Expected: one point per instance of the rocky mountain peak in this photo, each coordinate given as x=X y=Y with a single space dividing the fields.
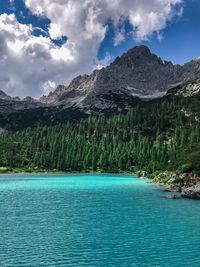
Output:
x=138 y=56
x=141 y=51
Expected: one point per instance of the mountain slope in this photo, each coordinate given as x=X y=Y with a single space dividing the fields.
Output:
x=163 y=134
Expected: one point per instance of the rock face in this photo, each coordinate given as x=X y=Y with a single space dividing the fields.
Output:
x=191 y=192
x=75 y=88
x=187 y=90
x=173 y=188
x=136 y=74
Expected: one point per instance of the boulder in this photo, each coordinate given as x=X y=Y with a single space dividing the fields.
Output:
x=191 y=192
x=173 y=188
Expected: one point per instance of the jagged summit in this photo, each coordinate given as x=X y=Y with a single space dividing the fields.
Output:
x=137 y=52
x=139 y=55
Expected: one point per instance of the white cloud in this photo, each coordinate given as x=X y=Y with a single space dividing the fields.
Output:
x=30 y=64
x=103 y=62
x=48 y=87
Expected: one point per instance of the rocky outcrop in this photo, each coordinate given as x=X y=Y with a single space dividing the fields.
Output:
x=187 y=90
x=2 y=131
x=173 y=188
x=187 y=184
x=191 y=192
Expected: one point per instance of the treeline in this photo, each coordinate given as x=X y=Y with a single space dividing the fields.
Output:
x=160 y=135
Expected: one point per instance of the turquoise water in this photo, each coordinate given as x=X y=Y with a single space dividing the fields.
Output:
x=88 y=220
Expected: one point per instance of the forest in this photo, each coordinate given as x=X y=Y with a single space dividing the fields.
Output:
x=159 y=135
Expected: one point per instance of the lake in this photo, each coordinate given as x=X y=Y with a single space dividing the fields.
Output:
x=94 y=220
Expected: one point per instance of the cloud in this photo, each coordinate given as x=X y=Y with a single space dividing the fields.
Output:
x=119 y=37
x=103 y=62
x=32 y=63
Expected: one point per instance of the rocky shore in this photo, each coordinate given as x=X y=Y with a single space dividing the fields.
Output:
x=187 y=184
x=191 y=192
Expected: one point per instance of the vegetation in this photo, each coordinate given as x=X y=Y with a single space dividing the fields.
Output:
x=159 y=135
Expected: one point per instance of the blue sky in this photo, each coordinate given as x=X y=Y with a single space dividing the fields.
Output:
x=60 y=45
x=181 y=38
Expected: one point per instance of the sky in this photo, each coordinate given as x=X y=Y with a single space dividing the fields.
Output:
x=49 y=42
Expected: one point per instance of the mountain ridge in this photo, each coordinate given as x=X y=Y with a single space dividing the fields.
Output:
x=132 y=74
x=137 y=77
x=137 y=73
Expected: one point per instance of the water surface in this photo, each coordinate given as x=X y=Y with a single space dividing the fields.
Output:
x=94 y=220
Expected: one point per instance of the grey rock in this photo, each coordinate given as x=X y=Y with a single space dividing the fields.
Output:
x=2 y=131
x=191 y=192
x=173 y=188
x=187 y=90
x=171 y=196
x=68 y=94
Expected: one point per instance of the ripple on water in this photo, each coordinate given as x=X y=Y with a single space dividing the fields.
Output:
x=81 y=220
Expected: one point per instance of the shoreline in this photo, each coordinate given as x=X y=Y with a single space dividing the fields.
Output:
x=188 y=188
x=68 y=172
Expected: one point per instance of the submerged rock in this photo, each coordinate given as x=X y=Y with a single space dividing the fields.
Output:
x=171 y=196
x=191 y=192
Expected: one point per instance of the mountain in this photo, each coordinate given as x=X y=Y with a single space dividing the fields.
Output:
x=11 y=105
x=4 y=96
x=136 y=74
x=135 y=78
